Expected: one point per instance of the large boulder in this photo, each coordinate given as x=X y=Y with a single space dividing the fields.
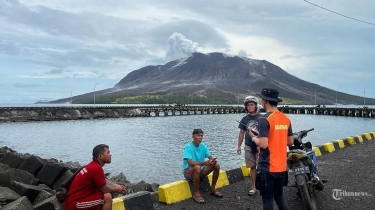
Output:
x=4 y=167
x=43 y=195
x=119 y=179
x=7 y=195
x=32 y=165
x=4 y=179
x=50 y=172
x=20 y=204
x=50 y=203
x=14 y=160
x=30 y=191
x=22 y=176
x=64 y=177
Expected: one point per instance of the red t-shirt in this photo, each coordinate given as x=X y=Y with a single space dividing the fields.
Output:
x=91 y=178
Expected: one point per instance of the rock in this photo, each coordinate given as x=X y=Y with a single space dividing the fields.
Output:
x=50 y=172
x=154 y=187
x=142 y=186
x=45 y=187
x=20 y=204
x=11 y=159
x=4 y=179
x=8 y=195
x=64 y=177
x=30 y=191
x=32 y=165
x=50 y=203
x=22 y=176
x=43 y=195
x=4 y=167
x=119 y=179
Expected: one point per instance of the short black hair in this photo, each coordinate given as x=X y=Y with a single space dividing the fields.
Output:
x=273 y=103
x=98 y=149
x=197 y=131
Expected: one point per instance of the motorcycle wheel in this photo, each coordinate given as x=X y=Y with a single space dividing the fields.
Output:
x=306 y=194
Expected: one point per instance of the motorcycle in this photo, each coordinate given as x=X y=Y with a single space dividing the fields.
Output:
x=302 y=164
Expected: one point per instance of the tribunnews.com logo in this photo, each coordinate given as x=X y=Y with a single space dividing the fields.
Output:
x=337 y=194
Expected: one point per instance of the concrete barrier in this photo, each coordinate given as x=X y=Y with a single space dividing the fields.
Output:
x=136 y=201
x=180 y=190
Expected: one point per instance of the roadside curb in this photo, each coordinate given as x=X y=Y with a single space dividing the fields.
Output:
x=342 y=143
x=139 y=200
x=177 y=191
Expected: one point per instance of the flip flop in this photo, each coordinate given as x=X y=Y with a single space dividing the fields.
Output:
x=252 y=192
x=216 y=194
x=198 y=199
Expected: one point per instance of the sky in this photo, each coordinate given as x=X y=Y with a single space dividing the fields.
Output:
x=62 y=48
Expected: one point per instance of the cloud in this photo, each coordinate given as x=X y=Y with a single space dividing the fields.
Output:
x=243 y=53
x=25 y=85
x=180 y=46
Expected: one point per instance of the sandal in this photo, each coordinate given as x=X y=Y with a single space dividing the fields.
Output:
x=198 y=199
x=216 y=194
x=252 y=192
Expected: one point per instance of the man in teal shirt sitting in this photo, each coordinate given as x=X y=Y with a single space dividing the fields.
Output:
x=196 y=167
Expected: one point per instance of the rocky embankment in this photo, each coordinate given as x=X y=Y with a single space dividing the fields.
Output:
x=29 y=182
x=23 y=114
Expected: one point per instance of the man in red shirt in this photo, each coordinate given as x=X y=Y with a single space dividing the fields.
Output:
x=89 y=190
x=275 y=133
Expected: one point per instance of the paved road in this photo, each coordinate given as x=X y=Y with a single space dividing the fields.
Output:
x=351 y=169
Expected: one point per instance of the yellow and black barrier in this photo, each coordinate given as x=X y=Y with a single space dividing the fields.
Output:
x=180 y=190
x=138 y=200
x=342 y=143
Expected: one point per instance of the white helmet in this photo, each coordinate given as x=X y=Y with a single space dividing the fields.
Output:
x=251 y=99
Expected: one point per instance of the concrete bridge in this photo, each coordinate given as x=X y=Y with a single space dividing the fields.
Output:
x=20 y=114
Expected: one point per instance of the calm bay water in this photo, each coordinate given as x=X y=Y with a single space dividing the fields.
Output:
x=151 y=149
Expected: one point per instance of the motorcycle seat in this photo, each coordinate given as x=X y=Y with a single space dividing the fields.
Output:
x=298 y=151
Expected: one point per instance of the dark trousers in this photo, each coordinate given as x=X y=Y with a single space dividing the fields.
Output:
x=273 y=190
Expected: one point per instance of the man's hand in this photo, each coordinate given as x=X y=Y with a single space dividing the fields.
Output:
x=120 y=188
x=239 y=150
x=251 y=134
x=210 y=162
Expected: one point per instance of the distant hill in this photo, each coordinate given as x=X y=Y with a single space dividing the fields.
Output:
x=213 y=78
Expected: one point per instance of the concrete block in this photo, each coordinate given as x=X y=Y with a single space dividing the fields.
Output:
x=4 y=179
x=245 y=170
x=11 y=159
x=50 y=203
x=174 y=192
x=32 y=165
x=118 y=204
x=43 y=195
x=350 y=140
x=64 y=177
x=21 y=203
x=22 y=176
x=329 y=147
x=8 y=195
x=317 y=151
x=138 y=201
x=235 y=175
x=30 y=191
x=50 y=172
x=221 y=181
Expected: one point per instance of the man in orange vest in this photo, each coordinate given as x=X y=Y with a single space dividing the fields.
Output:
x=275 y=134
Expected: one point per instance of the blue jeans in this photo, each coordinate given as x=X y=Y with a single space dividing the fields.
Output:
x=272 y=189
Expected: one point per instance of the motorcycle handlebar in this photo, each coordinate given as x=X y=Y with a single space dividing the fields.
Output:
x=303 y=133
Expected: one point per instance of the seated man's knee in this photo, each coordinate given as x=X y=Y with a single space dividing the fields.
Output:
x=107 y=197
x=197 y=168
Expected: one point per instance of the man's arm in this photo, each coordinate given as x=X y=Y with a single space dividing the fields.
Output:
x=262 y=142
x=290 y=140
x=240 y=140
x=112 y=189
x=193 y=163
